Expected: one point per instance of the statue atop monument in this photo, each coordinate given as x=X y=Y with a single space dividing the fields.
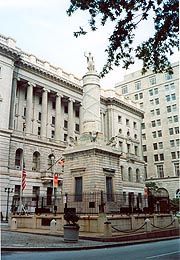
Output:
x=90 y=61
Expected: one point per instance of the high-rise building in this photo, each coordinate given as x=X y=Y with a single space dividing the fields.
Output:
x=158 y=96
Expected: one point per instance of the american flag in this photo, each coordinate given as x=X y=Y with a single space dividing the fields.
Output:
x=23 y=177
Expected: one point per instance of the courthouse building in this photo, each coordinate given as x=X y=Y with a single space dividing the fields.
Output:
x=41 y=113
x=158 y=96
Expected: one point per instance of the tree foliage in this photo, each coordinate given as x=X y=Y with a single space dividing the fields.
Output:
x=126 y=15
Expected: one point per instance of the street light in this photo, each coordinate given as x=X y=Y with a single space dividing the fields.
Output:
x=53 y=172
x=8 y=190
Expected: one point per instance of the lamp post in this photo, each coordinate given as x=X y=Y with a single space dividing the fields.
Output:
x=8 y=190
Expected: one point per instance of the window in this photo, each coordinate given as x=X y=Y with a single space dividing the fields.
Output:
x=153 y=123
x=155 y=91
x=36 y=161
x=168 y=98
x=65 y=137
x=124 y=197
x=65 y=124
x=152 y=112
x=157 y=111
x=137 y=175
x=158 y=121
x=155 y=146
x=177 y=142
x=145 y=158
x=39 y=116
x=168 y=109
x=156 y=101
x=151 y=92
x=17 y=190
x=135 y=125
x=170 y=119
x=172 y=86
x=154 y=134
x=25 y=94
x=124 y=90
x=161 y=157
x=65 y=109
x=120 y=145
x=130 y=174
x=137 y=85
x=143 y=125
x=171 y=131
x=174 y=107
x=39 y=130
x=141 y=105
x=144 y=148
x=176 y=130
x=175 y=118
x=173 y=155
x=176 y=169
x=109 y=188
x=144 y=136
x=160 y=145
x=77 y=127
x=24 y=113
x=140 y=95
x=136 y=97
x=36 y=191
x=78 y=189
x=173 y=96
x=128 y=148
x=156 y=157
x=151 y=101
x=136 y=150
x=119 y=119
x=127 y=122
x=159 y=133
x=53 y=104
x=53 y=120
x=152 y=80
x=122 y=172
x=166 y=87
x=52 y=134
x=77 y=112
x=18 y=157
x=168 y=76
x=160 y=171
x=172 y=143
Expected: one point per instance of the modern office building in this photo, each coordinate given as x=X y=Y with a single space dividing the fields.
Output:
x=41 y=113
x=158 y=96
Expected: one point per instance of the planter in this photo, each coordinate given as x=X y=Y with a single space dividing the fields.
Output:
x=71 y=233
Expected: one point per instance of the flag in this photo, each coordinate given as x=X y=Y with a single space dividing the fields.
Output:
x=23 y=177
x=61 y=162
x=56 y=180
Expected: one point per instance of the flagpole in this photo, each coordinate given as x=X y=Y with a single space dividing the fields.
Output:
x=22 y=169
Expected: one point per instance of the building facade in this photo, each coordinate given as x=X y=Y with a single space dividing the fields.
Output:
x=41 y=113
x=158 y=96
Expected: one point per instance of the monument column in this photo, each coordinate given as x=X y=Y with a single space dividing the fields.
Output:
x=29 y=105
x=44 y=113
x=70 y=118
x=58 y=129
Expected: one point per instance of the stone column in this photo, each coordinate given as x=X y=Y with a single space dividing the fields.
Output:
x=58 y=128
x=70 y=118
x=80 y=118
x=13 y=99
x=44 y=113
x=29 y=106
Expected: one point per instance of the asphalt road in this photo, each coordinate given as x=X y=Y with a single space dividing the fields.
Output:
x=163 y=250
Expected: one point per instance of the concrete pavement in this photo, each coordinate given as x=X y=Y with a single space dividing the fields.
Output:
x=34 y=239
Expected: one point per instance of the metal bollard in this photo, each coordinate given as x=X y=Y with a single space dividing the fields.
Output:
x=53 y=226
x=107 y=229
x=148 y=225
x=13 y=224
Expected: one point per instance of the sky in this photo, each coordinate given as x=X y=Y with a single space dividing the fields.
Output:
x=42 y=28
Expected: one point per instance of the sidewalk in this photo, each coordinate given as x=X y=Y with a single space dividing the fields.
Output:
x=34 y=239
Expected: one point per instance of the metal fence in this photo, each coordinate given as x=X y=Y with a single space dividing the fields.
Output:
x=86 y=203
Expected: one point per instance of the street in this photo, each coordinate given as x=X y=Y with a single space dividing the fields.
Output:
x=163 y=250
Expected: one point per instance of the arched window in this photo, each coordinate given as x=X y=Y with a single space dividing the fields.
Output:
x=178 y=193
x=51 y=160
x=36 y=161
x=137 y=175
x=18 y=157
x=122 y=173
x=130 y=174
